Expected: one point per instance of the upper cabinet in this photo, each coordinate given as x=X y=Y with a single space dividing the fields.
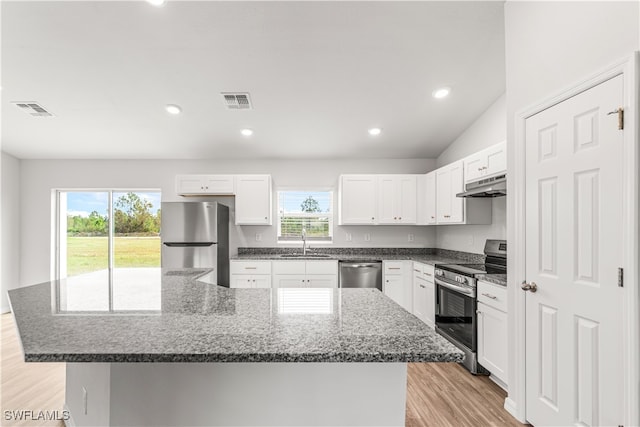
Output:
x=449 y=182
x=191 y=185
x=358 y=199
x=397 y=199
x=253 y=200
x=486 y=163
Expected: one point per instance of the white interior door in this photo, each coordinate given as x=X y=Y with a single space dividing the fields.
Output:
x=574 y=348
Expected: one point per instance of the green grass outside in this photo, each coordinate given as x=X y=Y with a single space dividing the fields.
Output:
x=87 y=254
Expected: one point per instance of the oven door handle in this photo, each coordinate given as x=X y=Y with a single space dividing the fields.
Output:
x=466 y=291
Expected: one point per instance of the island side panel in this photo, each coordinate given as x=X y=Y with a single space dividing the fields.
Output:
x=88 y=385
x=267 y=394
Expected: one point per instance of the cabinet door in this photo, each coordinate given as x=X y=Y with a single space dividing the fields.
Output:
x=322 y=281
x=253 y=200
x=262 y=281
x=289 y=281
x=406 y=198
x=443 y=198
x=419 y=298
x=492 y=340
x=496 y=159
x=431 y=198
x=241 y=281
x=218 y=184
x=189 y=184
x=393 y=287
x=475 y=166
x=457 y=186
x=387 y=199
x=358 y=199
x=430 y=304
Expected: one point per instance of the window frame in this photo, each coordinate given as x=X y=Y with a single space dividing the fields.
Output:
x=331 y=214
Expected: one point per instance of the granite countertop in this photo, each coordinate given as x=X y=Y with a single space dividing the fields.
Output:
x=497 y=279
x=198 y=321
x=425 y=255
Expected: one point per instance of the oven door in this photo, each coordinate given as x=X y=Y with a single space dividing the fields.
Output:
x=456 y=313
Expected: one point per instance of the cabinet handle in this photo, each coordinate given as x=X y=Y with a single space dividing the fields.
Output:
x=387 y=281
x=399 y=217
x=372 y=218
x=490 y=296
x=428 y=274
x=265 y=217
x=250 y=268
x=308 y=280
x=395 y=217
x=416 y=270
x=393 y=268
x=479 y=169
x=254 y=280
x=422 y=286
x=478 y=312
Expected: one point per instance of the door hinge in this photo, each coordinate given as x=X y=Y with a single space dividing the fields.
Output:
x=620 y=277
x=620 y=113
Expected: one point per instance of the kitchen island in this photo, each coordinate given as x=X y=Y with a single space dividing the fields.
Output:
x=216 y=356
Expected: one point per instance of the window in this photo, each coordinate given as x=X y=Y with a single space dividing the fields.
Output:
x=308 y=210
x=108 y=250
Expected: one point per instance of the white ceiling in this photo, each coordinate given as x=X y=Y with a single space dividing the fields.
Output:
x=319 y=74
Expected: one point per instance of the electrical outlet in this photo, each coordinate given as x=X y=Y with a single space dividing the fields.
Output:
x=367 y=237
x=347 y=237
x=258 y=237
x=85 y=398
x=410 y=237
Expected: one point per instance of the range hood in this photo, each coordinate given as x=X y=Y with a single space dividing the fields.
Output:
x=490 y=187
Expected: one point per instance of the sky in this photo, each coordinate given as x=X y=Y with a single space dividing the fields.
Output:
x=83 y=203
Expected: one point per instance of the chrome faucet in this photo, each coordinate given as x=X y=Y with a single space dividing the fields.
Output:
x=304 y=241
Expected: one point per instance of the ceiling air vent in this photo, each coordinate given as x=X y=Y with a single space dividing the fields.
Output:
x=33 y=109
x=236 y=101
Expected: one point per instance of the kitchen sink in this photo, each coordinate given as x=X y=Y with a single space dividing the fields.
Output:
x=305 y=256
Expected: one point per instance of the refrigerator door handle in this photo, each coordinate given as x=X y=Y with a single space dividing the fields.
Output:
x=188 y=244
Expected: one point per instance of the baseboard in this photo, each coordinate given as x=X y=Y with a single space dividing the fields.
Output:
x=499 y=382
x=512 y=408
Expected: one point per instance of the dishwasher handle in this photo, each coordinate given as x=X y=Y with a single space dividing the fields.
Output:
x=349 y=265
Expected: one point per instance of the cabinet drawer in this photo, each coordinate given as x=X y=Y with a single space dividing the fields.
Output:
x=322 y=267
x=493 y=295
x=428 y=272
x=289 y=267
x=392 y=267
x=250 y=267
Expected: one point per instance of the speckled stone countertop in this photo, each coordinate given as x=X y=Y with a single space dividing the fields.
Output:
x=424 y=255
x=201 y=322
x=498 y=279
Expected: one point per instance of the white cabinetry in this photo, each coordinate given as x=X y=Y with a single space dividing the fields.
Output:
x=397 y=284
x=486 y=163
x=253 y=200
x=424 y=293
x=397 y=199
x=307 y=274
x=430 y=199
x=357 y=199
x=250 y=274
x=457 y=210
x=492 y=329
x=191 y=185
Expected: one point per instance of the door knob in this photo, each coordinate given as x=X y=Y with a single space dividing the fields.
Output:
x=529 y=287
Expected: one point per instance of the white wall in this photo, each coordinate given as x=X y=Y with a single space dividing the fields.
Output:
x=488 y=129
x=10 y=227
x=549 y=47
x=40 y=177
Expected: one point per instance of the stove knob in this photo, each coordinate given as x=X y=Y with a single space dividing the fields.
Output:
x=439 y=272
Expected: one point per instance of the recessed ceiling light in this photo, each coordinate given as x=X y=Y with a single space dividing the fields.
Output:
x=246 y=132
x=443 y=92
x=374 y=131
x=173 y=109
x=157 y=3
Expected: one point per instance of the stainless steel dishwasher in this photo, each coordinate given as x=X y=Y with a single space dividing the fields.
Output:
x=361 y=274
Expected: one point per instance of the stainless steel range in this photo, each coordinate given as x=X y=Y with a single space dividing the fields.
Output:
x=456 y=302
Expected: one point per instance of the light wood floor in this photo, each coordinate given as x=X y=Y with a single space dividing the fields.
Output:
x=439 y=394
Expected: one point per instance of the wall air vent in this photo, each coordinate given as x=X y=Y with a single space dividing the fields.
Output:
x=236 y=101
x=33 y=109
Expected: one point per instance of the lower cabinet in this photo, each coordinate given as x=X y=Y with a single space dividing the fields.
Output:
x=396 y=283
x=250 y=274
x=492 y=329
x=424 y=303
x=305 y=274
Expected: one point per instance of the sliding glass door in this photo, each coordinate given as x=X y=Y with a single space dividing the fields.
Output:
x=108 y=250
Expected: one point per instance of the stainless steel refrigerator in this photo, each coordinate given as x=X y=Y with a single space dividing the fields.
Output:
x=196 y=235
